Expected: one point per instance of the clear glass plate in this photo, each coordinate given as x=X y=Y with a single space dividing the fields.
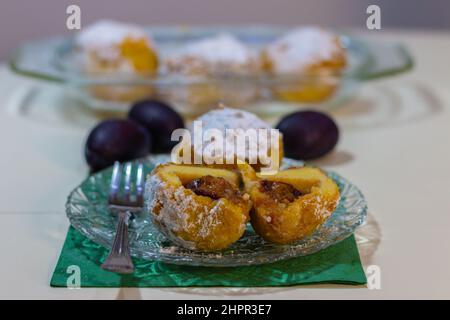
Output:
x=53 y=59
x=87 y=211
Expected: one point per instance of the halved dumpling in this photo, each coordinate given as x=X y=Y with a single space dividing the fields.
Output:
x=291 y=204
x=198 y=208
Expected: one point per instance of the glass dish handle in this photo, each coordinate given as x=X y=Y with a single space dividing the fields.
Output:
x=387 y=59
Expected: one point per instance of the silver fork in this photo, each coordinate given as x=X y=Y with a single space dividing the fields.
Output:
x=125 y=206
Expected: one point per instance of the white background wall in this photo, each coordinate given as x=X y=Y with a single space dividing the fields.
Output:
x=21 y=20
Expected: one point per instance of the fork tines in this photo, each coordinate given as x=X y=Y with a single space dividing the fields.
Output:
x=127 y=198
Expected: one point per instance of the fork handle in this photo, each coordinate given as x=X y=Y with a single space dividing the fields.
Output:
x=119 y=259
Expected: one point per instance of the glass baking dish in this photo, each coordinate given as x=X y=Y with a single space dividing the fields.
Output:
x=53 y=59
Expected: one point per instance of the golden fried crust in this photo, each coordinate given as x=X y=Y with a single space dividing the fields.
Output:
x=193 y=221
x=282 y=222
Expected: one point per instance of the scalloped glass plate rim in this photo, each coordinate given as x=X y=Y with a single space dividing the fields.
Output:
x=233 y=257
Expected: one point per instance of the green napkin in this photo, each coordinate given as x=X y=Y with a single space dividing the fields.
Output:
x=336 y=264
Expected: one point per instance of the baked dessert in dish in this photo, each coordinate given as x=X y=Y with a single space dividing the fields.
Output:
x=313 y=54
x=291 y=204
x=204 y=60
x=110 y=48
x=196 y=207
x=304 y=65
x=223 y=119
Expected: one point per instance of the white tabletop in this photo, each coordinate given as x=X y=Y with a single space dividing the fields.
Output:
x=394 y=146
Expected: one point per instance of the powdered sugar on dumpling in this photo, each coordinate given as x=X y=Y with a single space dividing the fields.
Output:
x=229 y=118
x=223 y=53
x=105 y=36
x=223 y=48
x=301 y=48
x=108 y=33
